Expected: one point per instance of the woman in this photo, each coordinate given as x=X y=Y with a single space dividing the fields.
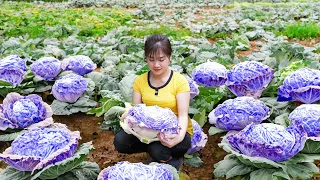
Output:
x=165 y=88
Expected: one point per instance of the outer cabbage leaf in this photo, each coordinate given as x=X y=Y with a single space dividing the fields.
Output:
x=249 y=78
x=39 y=148
x=302 y=85
x=83 y=104
x=22 y=111
x=79 y=64
x=13 y=69
x=210 y=74
x=145 y=122
x=47 y=68
x=136 y=171
x=236 y=114
x=125 y=86
x=198 y=139
x=269 y=140
x=308 y=116
x=69 y=88
x=194 y=91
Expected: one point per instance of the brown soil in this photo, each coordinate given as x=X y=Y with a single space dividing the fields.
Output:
x=308 y=43
x=106 y=155
x=253 y=47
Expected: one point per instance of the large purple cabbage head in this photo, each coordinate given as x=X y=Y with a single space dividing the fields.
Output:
x=40 y=147
x=79 y=64
x=146 y=122
x=236 y=114
x=136 y=171
x=269 y=140
x=307 y=116
x=69 y=88
x=47 y=68
x=198 y=139
x=210 y=74
x=249 y=78
x=23 y=111
x=302 y=85
x=13 y=69
x=194 y=91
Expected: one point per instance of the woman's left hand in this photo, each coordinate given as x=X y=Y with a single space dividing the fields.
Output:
x=169 y=140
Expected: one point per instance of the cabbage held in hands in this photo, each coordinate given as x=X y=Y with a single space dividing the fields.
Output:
x=69 y=88
x=308 y=116
x=198 y=139
x=145 y=122
x=302 y=85
x=236 y=114
x=137 y=171
x=79 y=64
x=194 y=91
x=40 y=147
x=210 y=74
x=13 y=69
x=22 y=111
x=47 y=68
x=269 y=140
x=249 y=78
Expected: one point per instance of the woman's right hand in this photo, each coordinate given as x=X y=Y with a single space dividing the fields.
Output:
x=125 y=114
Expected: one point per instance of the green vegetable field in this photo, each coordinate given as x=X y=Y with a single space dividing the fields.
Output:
x=67 y=68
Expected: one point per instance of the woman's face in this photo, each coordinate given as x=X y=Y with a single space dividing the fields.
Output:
x=158 y=62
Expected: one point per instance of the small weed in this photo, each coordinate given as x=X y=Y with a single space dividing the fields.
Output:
x=302 y=31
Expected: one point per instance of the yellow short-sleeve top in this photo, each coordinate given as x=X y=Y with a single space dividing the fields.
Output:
x=164 y=96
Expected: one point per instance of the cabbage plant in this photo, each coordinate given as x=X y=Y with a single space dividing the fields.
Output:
x=19 y=112
x=47 y=68
x=13 y=69
x=194 y=91
x=249 y=78
x=269 y=140
x=210 y=74
x=302 y=85
x=79 y=64
x=145 y=122
x=236 y=114
x=308 y=116
x=48 y=153
x=198 y=139
x=138 y=171
x=69 y=88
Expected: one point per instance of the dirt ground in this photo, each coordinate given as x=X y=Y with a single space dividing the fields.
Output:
x=106 y=155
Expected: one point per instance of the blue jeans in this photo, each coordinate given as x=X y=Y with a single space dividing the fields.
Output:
x=129 y=144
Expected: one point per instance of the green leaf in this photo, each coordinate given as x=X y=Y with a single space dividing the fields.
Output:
x=86 y=171
x=12 y=174
x=222 y=167
x=106 y=105
x=5 y=83
x=59 y=168
x=311 y=147
x=68 y=176
x=264 y=174
x=201 y=118
x=112 y=118
x=240 y=169
x=194 y=161
x=303 y=171
x=213 y=130
x=12 y=136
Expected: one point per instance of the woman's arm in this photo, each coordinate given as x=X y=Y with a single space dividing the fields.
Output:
x=136 y=98
x=183 y=100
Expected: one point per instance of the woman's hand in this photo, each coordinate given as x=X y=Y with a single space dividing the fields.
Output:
x=170 y=140
x=124 y=115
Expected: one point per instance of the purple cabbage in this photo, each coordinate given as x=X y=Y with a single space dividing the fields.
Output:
x=194 y=91
x=210 y=74
x=22 y=111
x=198 y=139
x=79 y=64
x=236 y=114
x=302 y=85
x=136 y=171
x=69 y=88
x=13 y=69
x=249 y=78
x=41 y=147
x=269 y=140
x=47 y=68
x=308 y=116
